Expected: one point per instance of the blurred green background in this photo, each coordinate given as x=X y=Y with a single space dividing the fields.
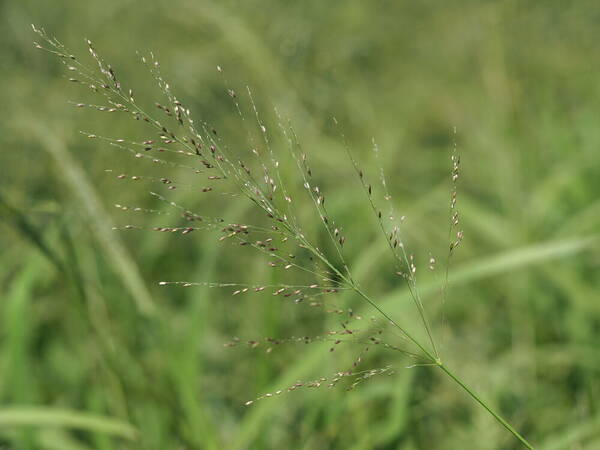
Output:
x=94 y=354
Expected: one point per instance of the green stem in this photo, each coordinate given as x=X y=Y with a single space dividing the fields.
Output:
x=475 y=397
x=434 y=359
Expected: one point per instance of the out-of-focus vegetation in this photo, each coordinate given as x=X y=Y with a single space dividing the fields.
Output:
x=94 y=354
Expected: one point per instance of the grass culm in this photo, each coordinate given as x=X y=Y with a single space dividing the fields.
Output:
x=313 y=272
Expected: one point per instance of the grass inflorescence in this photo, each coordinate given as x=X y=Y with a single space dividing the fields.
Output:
x=317 y=272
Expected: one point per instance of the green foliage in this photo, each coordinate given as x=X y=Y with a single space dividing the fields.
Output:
x=94 y=354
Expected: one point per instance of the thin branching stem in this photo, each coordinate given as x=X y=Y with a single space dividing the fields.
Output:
x=286 y=224
x=487 y=407
x=411 y=281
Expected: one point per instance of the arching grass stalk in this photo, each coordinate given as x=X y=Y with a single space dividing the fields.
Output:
x=213 y=162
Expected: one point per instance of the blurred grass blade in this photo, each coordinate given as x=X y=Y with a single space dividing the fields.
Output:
x=12 y=417
x=60 y=439
x=515 y=259
x=16 y=381
x=575 y=436
x=76 y=179
x=9 y=212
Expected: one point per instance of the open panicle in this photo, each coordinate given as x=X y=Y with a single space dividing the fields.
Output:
x=306 y=271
